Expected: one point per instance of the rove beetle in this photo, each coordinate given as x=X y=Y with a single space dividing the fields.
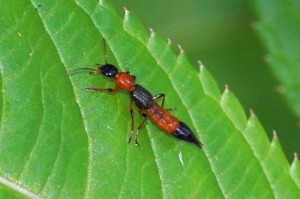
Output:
x=144 y=100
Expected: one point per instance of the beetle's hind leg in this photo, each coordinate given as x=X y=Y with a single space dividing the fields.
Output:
x=163 y=96
x=132 y=120
x=145 y=118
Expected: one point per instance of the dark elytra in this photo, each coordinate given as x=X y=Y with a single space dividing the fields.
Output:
x=142 y=98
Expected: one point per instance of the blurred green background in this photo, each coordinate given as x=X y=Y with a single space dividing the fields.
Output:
x=222 y=35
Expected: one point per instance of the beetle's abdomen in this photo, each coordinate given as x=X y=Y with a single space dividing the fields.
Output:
x=183 y=132
x=162 y=118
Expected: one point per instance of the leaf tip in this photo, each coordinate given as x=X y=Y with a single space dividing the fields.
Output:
x=180 y=49
x=152 y=33
x=226 y=88
x=296 y=156
x=251 y=112
x=275 y=137
x=126 y=10
x=100 y=2
x=169 y=42
x=201 y=65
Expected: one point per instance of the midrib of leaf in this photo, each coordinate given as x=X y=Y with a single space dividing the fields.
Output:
x=16 y=190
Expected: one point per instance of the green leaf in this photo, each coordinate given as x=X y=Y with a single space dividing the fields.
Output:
x=295 y=170
x=279 y=28
x=59 y=141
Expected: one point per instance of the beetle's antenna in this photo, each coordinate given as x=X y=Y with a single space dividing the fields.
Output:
x=78 y=70
x=105 y=52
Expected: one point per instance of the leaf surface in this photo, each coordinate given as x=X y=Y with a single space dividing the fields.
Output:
x=59 y=141
x=279 y=27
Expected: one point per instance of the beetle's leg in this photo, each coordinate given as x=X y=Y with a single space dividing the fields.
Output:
x=111 y=90
x=132 y=120
x=160 y=95
x=139 y=127
x=163 y=96
x=170 y=109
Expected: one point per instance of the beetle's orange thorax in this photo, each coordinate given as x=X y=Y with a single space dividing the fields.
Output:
x=124 y=81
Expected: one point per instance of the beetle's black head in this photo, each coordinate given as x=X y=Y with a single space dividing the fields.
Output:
x=108 y=70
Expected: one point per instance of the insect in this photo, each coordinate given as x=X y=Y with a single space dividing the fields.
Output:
x=146 y=103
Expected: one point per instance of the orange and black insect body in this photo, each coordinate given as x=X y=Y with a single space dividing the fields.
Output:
x=159 y=116
x=145 y=102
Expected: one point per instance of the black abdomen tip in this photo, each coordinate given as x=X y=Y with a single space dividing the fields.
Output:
x=183 y=132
